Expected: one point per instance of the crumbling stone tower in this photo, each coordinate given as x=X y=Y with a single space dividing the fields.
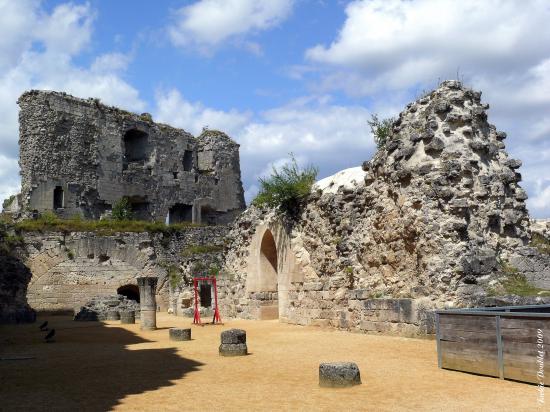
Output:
x=79 y=157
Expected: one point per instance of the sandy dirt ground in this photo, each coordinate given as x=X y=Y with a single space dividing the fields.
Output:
x=96 y=366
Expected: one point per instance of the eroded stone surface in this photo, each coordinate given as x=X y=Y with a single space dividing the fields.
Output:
x=233 y=349
x=233 y=343
x=179 y=334
x=439 y=212
x=14 y=278
x=105 y=308
x=233 y=336
x=339 y=374
x=79 y=157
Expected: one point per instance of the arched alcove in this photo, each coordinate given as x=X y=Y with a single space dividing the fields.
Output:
x=130 y=291
x=271 y=268
x=268 y=263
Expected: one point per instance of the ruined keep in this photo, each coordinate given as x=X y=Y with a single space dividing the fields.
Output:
x=79 y=157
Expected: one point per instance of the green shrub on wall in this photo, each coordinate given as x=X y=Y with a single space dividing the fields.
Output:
x=122 y=210
x=381 y=129
x=286 y=189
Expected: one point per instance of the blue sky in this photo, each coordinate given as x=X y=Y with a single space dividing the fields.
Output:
x=282 y=76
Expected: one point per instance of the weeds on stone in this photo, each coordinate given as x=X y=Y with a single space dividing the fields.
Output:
x=200 y=249
x=48 y=221
x=122 y=210
x=541 y=243
x=286 y=189
x=381 y=129
x=514 y=283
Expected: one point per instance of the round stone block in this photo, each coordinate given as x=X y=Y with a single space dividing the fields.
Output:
x=128 y=317
x=233 y=336
x=113 y=315
x=233 y=349
x=339 y=374
x=180 y=334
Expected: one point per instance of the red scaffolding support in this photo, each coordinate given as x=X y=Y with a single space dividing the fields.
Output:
x=197 y=316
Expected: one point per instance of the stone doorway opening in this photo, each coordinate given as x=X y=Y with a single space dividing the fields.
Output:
x=268 y=271
x=205 y=295
x=58 y=198
x=135 y=146
x=268 y=262
x=130 y=291
x=180 y=213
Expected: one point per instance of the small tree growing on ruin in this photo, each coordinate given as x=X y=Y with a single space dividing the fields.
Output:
x=286 y=189
x=122 y=210
x=381 y=129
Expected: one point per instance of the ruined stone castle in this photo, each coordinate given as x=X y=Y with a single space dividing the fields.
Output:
x=435 y=219
x=79 y=157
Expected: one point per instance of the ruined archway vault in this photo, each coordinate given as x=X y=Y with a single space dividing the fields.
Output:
x=68 y=271
x=271 y=272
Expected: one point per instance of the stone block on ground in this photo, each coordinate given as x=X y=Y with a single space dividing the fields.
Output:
x=128 y=317
x=339 y=374
x=233 y=349
x=233 y=343
x=179 y=334
x=113 y=315
x=233 y=336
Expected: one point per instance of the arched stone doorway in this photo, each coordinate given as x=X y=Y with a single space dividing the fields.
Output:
x=130 y=291
x=268 y=263
x=270 y=273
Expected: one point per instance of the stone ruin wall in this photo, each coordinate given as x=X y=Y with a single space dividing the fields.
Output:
x=70 y=269
x=94 y=155
x=440 y=209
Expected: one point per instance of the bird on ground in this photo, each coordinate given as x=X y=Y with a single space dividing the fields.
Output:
x=49 y=337
x=44 y=326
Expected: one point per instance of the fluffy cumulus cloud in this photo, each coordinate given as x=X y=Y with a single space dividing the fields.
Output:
x=315 y=131
x=501 y=47
x=174 y=109
x=37 y=50
x=208 y=23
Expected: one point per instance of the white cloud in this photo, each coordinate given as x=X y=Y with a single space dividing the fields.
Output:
x=37 y=51
x=8 y=185
x=208 y=23
x=173 y=109
x=541 y=201
x=400 y=43
x=110 y=62
x=67 y=30
x=502 y=47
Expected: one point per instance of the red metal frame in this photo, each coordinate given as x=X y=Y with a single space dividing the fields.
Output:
x=197 y=315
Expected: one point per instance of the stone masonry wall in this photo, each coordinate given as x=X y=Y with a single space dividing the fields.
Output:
x=95 y=155
x=69 y=269
x=438 y=215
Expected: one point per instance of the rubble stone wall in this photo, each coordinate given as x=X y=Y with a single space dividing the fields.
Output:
x=69 y=269
x=438 y=214
x=79 y=157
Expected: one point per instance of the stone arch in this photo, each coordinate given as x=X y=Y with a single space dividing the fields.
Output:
x=268 y=263
x=271 y=272
x=130 y=291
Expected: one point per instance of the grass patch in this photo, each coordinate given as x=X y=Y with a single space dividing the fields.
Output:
x=540 y=243
x=201 y=249
x=50 y=222
x=515 y=283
